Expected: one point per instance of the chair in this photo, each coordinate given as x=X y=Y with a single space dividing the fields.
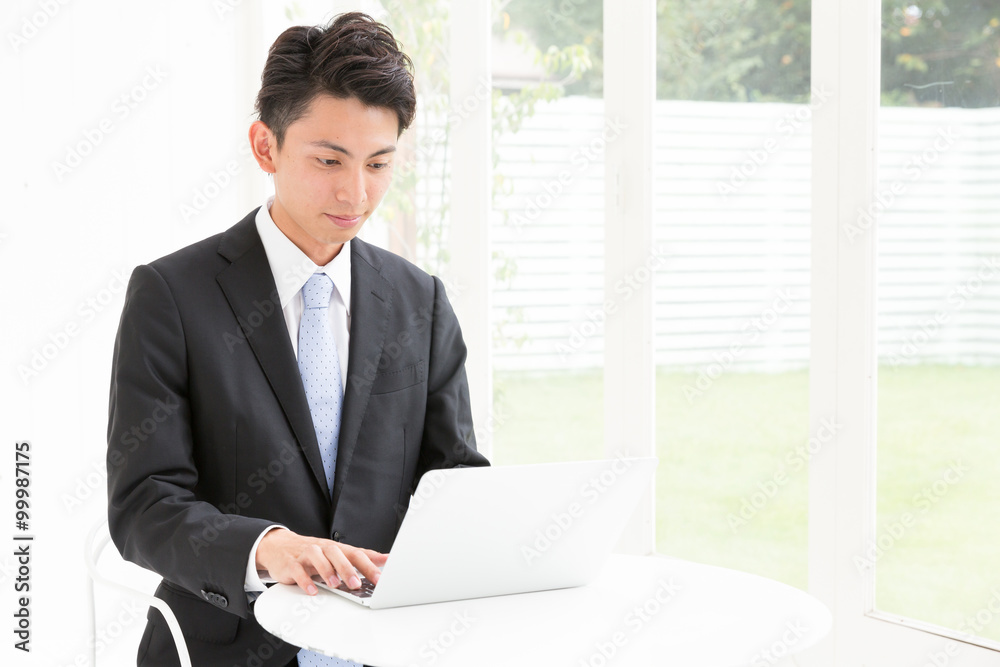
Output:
x=94 y=547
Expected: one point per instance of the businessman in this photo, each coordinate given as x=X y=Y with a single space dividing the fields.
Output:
x=277 y=390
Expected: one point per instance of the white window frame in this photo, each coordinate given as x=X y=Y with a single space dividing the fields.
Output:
x=629 y=362
x=846 y=62
x=471 y=178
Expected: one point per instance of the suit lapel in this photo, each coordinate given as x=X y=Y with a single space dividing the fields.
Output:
x=249 y=287
x=371 y=303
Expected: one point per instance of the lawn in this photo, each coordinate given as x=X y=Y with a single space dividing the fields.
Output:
x=732 y=485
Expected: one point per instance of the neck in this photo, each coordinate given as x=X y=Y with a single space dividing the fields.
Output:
x=319 y=253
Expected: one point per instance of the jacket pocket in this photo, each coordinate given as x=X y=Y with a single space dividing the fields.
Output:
x=395 y=380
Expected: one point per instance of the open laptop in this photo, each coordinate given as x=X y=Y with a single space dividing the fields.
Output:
x=480 y=532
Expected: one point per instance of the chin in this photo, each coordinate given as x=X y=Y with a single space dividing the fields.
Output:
x=340 y=239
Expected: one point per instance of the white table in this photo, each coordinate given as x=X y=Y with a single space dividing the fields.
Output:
x=640 y=611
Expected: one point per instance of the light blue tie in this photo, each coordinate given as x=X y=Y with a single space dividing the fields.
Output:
x=319 y=365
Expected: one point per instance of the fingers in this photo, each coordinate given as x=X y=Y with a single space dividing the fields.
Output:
x=349 y=561
x=299 y=558
x=367 y=562
x=376 y=557
x=316 y=556
x=298 y=573
x=343 y=565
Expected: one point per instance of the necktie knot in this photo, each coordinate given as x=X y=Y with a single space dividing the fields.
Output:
x=317 y=290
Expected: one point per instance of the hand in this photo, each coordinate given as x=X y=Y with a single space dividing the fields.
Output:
x=291 y=558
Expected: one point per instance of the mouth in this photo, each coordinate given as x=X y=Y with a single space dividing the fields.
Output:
x=344 y=221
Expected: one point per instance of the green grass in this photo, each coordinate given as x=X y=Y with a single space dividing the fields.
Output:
x=740 y=441
x=944 y=568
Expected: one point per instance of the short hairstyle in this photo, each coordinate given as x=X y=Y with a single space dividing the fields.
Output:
x=353 y=56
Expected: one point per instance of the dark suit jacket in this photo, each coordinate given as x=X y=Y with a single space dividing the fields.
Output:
x=210 y=439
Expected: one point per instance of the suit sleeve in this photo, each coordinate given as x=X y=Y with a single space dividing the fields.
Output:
x=154 y=514
x=449 y=439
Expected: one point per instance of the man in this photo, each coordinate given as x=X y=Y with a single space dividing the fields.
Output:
x=278 y=389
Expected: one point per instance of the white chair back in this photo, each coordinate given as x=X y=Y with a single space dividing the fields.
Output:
x=95 y=546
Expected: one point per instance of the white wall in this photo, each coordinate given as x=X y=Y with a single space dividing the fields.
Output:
x=146 y=106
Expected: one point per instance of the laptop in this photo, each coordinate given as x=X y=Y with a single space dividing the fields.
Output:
x=481 y=532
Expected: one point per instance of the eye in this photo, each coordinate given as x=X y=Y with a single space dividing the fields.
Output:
x=379 y=166
x=328 y=162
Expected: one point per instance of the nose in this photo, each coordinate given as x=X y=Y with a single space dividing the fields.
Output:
x=351 y=189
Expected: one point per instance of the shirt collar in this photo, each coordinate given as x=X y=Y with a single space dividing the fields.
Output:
x=291 y=267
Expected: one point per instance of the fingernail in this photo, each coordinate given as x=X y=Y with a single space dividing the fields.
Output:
x=311 y=590
x=333 y=582
x=375 y=577
x=355 y=582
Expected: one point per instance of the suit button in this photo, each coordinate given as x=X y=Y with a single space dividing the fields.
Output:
x=336 y=535
x=215 y=598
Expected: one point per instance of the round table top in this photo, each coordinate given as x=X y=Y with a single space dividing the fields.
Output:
x=639 y=611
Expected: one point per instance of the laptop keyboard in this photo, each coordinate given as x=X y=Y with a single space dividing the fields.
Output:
x=366 y=590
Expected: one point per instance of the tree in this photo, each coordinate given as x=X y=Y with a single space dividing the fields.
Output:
x=718 y=50
x=934 y=52
x=941 y=53
x=733 y=50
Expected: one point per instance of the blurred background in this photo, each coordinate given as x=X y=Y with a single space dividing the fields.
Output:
x=126 y=126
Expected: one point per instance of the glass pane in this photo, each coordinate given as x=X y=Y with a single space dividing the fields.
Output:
x=548 y=231
x=935 y=551
x=414 y=217
x=733 y=200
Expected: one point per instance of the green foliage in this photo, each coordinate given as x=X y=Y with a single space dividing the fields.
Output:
x=934 y=52
x=422 y=27
x=570 y=27
x=941 y=53
x=721 y=50
x=733 y=50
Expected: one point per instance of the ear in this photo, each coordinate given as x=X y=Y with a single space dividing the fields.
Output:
x=264 y=146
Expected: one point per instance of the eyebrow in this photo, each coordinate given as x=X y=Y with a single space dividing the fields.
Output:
x=322 y=143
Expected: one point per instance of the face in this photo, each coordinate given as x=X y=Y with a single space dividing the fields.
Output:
x=330 y=173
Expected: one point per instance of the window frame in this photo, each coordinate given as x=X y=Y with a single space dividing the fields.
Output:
x=630 y=364
x=846 y=60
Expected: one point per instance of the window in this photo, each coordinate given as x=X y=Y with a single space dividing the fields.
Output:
x=548 y=231
x=938 y=313
x=732 y=149
x=888 y=249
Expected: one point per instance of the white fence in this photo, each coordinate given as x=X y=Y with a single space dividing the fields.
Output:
x=731 y=263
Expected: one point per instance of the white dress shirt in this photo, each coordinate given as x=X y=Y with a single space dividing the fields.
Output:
x=291 y=269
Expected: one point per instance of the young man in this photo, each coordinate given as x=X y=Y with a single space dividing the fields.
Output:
x=278 y=389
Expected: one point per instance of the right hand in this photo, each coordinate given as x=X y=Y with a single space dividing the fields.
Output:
x=291 y=558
